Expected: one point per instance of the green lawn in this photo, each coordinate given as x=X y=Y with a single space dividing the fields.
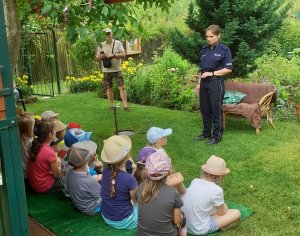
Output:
x=265 y=168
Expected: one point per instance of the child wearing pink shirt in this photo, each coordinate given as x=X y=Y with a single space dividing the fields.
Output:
x=43 y=168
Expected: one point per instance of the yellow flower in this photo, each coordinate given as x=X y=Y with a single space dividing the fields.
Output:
x=37 y=117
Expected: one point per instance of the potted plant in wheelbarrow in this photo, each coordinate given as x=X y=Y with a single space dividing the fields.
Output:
x=297 y=104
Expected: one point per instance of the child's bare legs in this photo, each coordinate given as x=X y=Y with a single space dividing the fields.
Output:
x=231 y=216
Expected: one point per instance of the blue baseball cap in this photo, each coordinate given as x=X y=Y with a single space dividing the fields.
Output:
x=76 y=135
x=154 y=134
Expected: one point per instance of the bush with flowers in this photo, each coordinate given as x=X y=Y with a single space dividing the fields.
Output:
x=132 y=75
x=22 y=83
x=164 y=84
x=86 y=83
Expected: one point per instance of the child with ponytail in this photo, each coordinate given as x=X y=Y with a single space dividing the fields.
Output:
x=118 y=187
x=43 y=168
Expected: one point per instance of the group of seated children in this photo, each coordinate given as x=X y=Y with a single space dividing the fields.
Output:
x=150 y=195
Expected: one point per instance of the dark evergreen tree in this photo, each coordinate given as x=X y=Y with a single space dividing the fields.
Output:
x=247 y=26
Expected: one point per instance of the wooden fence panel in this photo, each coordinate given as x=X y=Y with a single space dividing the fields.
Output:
x=67 y=66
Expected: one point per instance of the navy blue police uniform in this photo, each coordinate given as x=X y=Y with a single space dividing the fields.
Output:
x=212 y=89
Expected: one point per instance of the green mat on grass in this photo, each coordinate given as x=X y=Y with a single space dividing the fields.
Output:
x=57 y=213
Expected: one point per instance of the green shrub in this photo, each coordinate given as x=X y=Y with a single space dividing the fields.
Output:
x=23 y=85
x=284 y=73
x=164 y=84
x=83 y=53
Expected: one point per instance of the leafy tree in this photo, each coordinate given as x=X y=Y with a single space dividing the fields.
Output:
x=286 y=39
x=82 y=17
x=247 y=27
x=78 y=18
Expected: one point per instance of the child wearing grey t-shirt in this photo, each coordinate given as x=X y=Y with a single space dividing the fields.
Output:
x=84 y=189
x=158 y=204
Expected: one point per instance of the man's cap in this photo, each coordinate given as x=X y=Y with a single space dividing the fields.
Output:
x=107 y=30
x=116 y=148
x=154 y=134
x=76 y=135
x=81 y=153
x=48 y=114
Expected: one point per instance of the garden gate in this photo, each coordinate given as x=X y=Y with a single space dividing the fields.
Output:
x=40 y=62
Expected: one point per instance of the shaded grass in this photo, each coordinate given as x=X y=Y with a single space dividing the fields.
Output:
x=264 y=168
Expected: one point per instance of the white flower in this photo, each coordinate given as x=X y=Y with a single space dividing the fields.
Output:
x=66 y=9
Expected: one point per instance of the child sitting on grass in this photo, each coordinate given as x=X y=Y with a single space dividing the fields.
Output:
x=204 y=206
x=74 y=136
x=43 y=168
x=158 y=204
x=26 y=126
x=84 y=190
x=49 y=116
x=157 y=140
x=118 y=186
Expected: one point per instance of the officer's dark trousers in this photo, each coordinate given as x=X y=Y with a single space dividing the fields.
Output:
x=211 y=98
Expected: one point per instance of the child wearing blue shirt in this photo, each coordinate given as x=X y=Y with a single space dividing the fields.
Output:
x=118 y=187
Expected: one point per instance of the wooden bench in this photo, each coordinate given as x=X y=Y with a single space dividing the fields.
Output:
x=257 y=104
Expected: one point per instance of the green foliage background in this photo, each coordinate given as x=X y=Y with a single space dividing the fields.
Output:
x=247 y=27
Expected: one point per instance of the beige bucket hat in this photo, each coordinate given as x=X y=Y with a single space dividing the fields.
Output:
x=116 y=148
x=215 y=166
x=47 y=115
x=59 y=126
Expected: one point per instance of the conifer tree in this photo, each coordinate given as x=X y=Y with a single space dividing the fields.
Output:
x=247 y=26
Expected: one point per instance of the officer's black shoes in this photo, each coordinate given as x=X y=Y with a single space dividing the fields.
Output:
x=200 y=137
x=212 y=141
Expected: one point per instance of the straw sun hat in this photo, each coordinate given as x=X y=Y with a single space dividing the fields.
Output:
x=116 y=148
x=215 y=166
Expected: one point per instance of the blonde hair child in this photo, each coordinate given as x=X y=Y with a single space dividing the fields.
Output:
x=118 y=186
x=204 y=206
x=157 y=140
x=159 y=204
x=26 y=126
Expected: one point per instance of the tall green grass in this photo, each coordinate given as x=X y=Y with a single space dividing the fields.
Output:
x=265 y=168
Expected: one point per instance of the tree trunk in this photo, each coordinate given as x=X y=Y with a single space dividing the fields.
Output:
x=14 y=32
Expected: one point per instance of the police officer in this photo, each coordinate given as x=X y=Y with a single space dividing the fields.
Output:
x=216 y=62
